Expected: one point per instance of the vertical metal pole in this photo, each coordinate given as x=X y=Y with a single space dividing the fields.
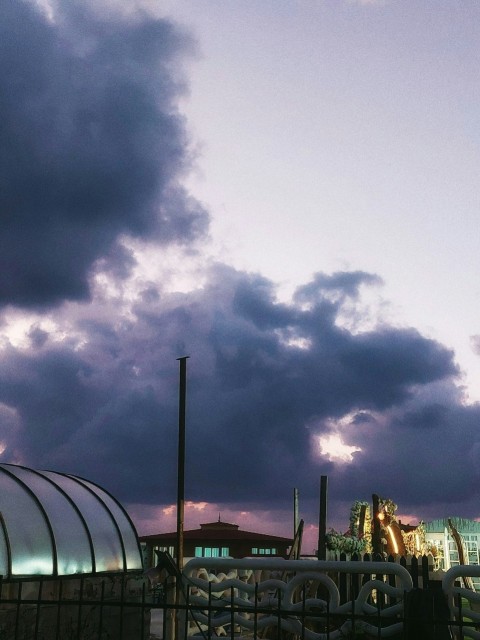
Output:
x=174 y=630
x=322 y=520
x=181 y=460
x=295 y=512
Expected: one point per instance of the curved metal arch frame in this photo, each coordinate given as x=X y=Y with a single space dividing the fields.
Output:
x=83 y=483
x=75 y=508
x=41 y=508
x=7 y=543
x=97 y=498
x=121 y=508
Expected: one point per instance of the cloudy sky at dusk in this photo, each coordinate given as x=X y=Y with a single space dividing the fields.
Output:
x=287 y=192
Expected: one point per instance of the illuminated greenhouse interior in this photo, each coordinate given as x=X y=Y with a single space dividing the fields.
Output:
x=57 y=524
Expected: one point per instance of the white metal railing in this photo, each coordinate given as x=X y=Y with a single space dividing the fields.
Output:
x=456 y=592
x=256 y=594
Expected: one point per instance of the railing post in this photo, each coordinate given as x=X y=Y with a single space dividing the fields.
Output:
x=425 y=572
x=38 y=608
x=169 y=611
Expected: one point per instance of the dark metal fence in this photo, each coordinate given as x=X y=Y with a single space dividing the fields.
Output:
x=328 y=603
x=420 y=568
x=425 y=616
x=114 y=606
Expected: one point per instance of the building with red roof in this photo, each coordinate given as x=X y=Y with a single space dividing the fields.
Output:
x=216 y=540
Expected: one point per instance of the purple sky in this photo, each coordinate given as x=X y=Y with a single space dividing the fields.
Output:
x=162 y=195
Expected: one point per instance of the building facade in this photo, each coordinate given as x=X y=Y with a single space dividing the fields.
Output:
x=216 y=540
x=438 y=533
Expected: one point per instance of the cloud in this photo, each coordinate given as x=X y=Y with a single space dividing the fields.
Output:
x=425 y=457
x=93 y=208
x=103 y=402
x=339 y=286
x=475 y=344
x=93 y=147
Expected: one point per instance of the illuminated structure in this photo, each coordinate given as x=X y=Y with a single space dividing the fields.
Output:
x=53 y=524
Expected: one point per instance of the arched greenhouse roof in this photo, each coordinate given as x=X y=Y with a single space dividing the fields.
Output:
x=58 y=524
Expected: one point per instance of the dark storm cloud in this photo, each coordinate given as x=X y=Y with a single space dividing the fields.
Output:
x=426 y=459
x=344 y=283
x=254 y=300
x=92 y=147
x=264 y=379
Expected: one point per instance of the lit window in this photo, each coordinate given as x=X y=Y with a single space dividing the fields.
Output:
x=225 y=552
x=211 y=552
x=267 y=551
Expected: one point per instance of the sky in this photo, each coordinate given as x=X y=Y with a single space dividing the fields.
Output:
x=286 y=192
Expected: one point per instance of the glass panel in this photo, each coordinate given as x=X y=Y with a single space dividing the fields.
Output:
x=3 y=554
x=129 y=535
x=28 y=534
x=198 y=552
x=73 y=550
x=225 y=552
x=106 y=543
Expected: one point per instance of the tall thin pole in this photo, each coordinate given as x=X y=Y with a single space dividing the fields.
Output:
x=322 y=520
x=181 y=460
x=295 y=512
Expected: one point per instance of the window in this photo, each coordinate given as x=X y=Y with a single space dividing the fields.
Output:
x=170 y=550
x=267 y=551
x=212 y=552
